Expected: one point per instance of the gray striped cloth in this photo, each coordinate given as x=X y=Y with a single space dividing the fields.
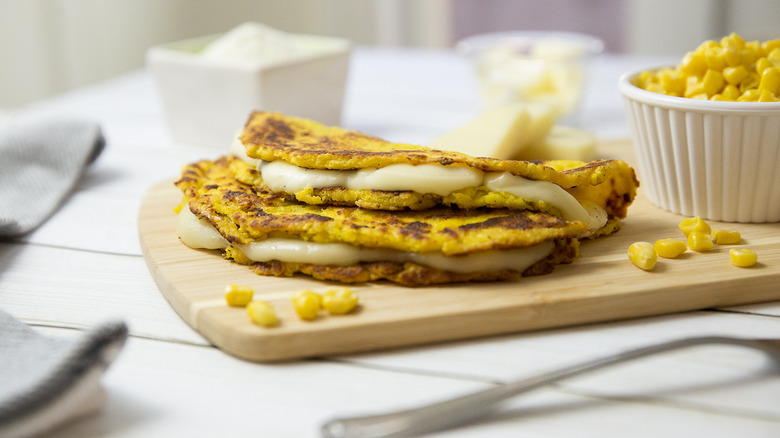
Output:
x=45 y=381
x=41 y=160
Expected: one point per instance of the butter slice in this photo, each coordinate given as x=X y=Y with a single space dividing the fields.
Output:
x=501 y=132
x=562 y=143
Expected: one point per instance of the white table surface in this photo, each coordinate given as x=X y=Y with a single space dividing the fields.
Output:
x=85 y=265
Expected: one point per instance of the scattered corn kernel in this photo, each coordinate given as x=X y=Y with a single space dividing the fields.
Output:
x=307 y=304
x=743 y=257
x=669 y=248
x=339 y=301
x=694 y=224
x=238 y=295
x=700 y=241
x=702 y=73
x=261 y=313
x=726 y=237
x=642 y=255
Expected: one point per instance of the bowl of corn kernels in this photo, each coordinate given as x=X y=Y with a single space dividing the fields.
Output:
x=706 y=132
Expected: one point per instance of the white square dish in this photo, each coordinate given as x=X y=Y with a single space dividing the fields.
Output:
x=205 y=101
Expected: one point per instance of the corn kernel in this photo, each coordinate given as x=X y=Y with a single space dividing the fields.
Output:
x=735 y=75
x=768 y=46
x=694 y=224
x=774 y=55
x=725 y=70
x=750 y=82
x=694 y=64
x=713 y=82
x=763 y=64
x=726 y=237
x=732 y=56
x=770 y=80
x=307 y=304
x=669 y=248
x=642 y=255
x=730 y=92
x=699 y=241
x=238 y=295
x=748 y=57
x=672 y=83
x=749 y=96
x=767 y=96
x=339 y=301
x=261 y=313
x=708 y=44
x=693 y=86
x=739 y=43
x=715 y=58
x=743 y=257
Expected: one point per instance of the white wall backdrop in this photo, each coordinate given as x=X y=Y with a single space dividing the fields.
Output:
x=50 y=46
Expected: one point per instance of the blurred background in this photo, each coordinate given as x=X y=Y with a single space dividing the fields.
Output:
x=50 y=46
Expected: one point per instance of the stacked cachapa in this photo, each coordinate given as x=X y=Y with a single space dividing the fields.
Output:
x=300 y=197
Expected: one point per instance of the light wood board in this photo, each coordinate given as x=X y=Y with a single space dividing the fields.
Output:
x=602 y=285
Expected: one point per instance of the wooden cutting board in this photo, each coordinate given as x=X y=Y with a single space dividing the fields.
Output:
x=602 y=285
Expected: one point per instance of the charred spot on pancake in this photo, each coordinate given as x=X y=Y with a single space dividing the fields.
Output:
x=273 y=130
x=449 y=231
x=316 y=217
x=515 y=222
x=586 y=166
x=416 y=229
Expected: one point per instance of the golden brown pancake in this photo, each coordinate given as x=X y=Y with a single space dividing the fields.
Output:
x=228 y=194
x=267 y=136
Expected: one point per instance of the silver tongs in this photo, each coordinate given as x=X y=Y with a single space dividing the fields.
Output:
x=467 y=408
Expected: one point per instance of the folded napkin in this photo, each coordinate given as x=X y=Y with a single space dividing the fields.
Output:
x=46 y=381
x=41 y=160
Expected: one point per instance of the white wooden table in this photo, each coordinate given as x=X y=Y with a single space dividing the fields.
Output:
x=85 y=265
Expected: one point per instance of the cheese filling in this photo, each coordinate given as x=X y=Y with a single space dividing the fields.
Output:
x=198 y=233
x=281 y=176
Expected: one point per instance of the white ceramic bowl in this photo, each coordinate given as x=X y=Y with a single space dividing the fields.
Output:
x=717 y=160
x=205 y=101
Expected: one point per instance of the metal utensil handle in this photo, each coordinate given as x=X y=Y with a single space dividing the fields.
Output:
x=463 y=409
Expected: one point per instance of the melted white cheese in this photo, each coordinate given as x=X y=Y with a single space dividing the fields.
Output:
x=281 y=176
x=239 y=150
x=570 y=207
x=198 y=233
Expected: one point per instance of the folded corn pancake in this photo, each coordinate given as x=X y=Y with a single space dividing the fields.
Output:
x=226 y=207
x=317 y=164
